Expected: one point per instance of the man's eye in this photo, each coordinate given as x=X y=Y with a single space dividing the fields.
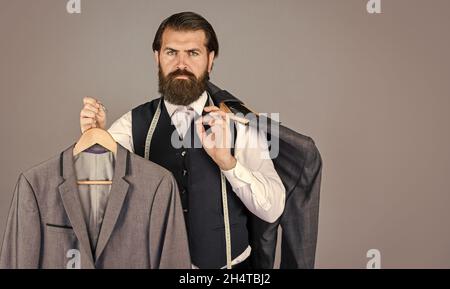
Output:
x=193 y=53
x=170 y=52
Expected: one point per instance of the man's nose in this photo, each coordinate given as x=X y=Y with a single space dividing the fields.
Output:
x=181 y=61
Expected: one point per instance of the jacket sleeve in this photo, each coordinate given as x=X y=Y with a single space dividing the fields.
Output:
x=300 y=219
x=21 y=241
x=169 y=247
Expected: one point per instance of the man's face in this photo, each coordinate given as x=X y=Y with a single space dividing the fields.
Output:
x=184 y=65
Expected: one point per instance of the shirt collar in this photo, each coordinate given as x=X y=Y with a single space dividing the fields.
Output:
x=197 y=105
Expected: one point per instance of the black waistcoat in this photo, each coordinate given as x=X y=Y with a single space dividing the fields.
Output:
x=199 y=182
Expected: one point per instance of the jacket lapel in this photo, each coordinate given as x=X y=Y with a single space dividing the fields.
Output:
x=70 y=197
x=68 y=190
x=119 y=190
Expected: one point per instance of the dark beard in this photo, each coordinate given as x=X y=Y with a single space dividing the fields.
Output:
x=182 y=91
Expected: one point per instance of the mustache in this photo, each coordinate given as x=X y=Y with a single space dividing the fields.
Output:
x=181 y=72
x=181 y=91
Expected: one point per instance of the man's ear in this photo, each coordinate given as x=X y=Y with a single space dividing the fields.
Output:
x=211 y=60
x=156 y=54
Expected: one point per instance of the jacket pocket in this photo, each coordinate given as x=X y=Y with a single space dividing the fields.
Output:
x=59 y=228
x=59 y=240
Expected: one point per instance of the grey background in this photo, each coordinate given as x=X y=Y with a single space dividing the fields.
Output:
x=372 y=90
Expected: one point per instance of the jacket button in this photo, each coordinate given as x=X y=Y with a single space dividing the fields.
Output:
x=183 y=153
x=185 y=210
x=184 y=172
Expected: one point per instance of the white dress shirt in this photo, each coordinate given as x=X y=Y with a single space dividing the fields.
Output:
x=253 y=179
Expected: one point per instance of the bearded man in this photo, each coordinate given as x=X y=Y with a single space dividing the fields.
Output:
x=167 y=129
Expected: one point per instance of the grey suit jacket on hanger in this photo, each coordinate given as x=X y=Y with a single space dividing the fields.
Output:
x=143 y=225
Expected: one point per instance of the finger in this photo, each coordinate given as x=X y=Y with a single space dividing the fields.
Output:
x=90 y=100
x=101 y=112
x=87 y=121
x=102 y=106
x=200 y=129
x=87 y=113
x=211 y=122
x=85 y=127
x=91 y=107
x=218 y=114
x=211 y=108
x=218 y=118
x=217 y=122
x=206 y=119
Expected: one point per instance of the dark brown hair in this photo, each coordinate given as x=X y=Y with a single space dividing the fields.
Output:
x=188 y=21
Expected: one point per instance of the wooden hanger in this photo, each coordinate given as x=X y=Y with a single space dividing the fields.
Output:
x=89 y=138
x=223 y=107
